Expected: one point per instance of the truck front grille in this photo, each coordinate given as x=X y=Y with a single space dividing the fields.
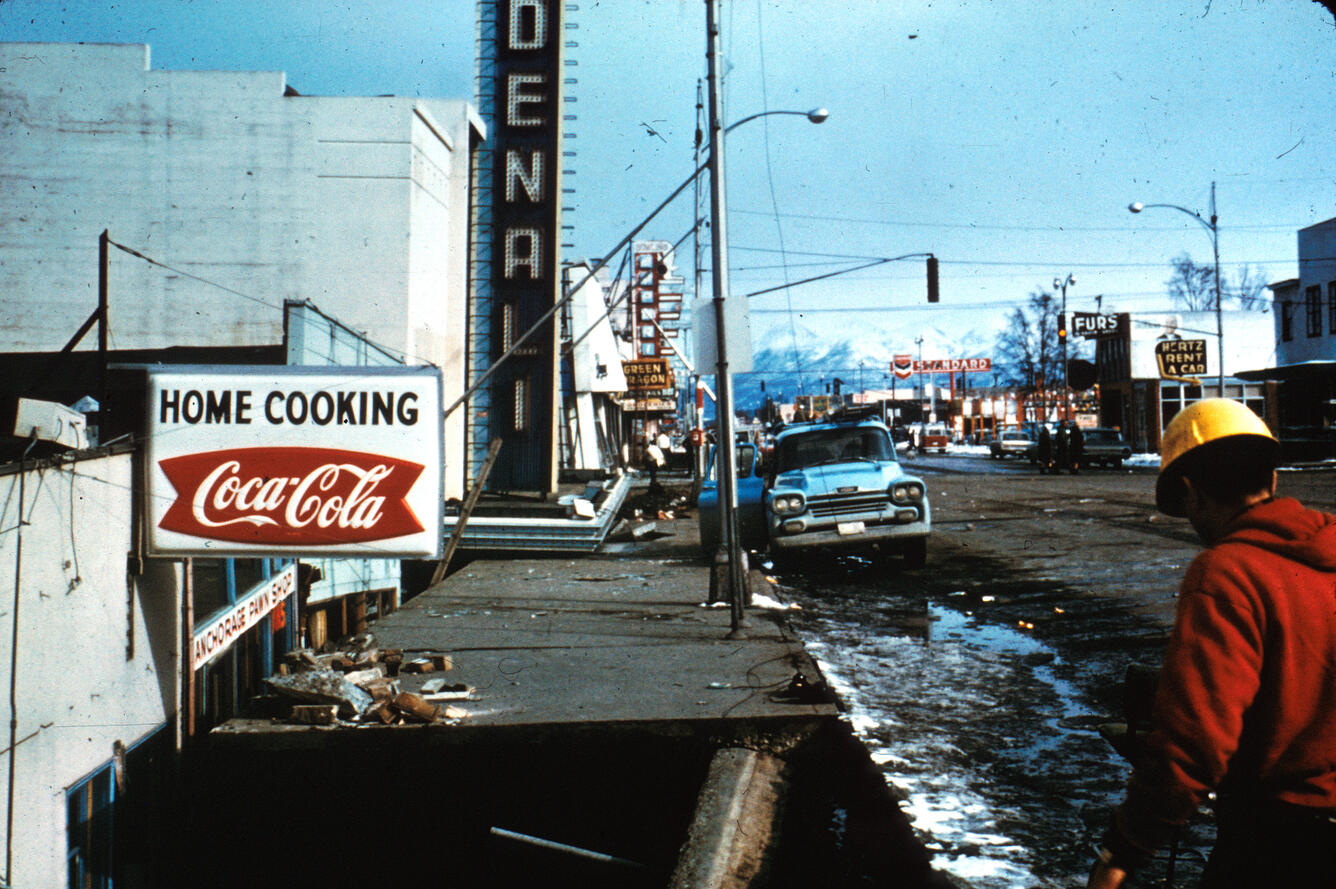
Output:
x=828 y=505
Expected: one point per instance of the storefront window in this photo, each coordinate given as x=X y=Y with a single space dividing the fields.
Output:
x=1176 y=396
x=88 y=824
x=248 y=573
x=208 y=578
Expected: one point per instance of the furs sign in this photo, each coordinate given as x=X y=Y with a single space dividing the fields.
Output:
x=266 y=461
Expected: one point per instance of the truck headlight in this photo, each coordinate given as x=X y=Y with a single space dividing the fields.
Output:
x=907 y=492
x=788 y=504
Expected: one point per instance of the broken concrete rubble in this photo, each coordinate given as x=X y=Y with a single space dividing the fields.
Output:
x=358 y=686
x=323 y=687
x=315 y=714
x=414 y=706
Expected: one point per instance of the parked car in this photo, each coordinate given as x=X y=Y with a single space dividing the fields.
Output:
x=1012 y=443
x=751 y=486
x=1105 y=447
x=838 y=486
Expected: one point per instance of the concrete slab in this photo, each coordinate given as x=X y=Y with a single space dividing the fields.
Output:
x=623 y=637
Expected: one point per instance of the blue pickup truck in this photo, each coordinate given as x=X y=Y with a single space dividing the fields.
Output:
x=832 y=485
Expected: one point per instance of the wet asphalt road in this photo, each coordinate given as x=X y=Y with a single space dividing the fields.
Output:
x=1038 y=593
x=1093 y=534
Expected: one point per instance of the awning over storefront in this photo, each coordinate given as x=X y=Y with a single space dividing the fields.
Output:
x=1303 y=371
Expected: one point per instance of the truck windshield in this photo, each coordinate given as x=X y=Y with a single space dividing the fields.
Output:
x=832 y=446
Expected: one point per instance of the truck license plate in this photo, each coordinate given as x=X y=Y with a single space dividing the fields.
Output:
x=846 y=528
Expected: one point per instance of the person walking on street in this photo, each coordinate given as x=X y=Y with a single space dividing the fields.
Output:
x=1061 y=446
x=1245 y=707
x=1075 y=448
x=1043 y=450
x=654 y=458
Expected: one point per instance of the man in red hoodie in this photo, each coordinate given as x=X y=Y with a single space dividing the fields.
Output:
x=1246 y=704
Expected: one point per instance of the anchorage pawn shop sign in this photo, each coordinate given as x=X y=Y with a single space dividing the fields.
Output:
x=268 y=461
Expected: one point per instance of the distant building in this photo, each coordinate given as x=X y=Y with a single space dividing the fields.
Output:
x=1305 y=337
x=1136 y=396
x=591 y=431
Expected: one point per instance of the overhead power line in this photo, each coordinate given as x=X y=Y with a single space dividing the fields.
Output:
x=986 y=226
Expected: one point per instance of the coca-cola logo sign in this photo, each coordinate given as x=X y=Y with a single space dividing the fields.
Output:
x=270 y=461
x=291 y=496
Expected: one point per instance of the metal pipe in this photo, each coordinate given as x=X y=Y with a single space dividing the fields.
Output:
x=103 y=276
x=187 y=721
x=14 y=662
x=567 y=849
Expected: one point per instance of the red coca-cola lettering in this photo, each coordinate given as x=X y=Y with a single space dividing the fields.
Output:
x=291 y=496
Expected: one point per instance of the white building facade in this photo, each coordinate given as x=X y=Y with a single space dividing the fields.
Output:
x=96 y=679
x=238 y=194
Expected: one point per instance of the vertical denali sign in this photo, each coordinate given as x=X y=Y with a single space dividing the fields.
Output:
x=271 y=461
x=525 y=213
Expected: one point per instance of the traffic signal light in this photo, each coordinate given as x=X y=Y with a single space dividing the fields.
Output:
x=1062 y=327
x=932 y=278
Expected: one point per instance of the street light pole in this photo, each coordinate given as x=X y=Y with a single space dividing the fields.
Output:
x=1062 y=284
x=728 y=482
x=1213 y=229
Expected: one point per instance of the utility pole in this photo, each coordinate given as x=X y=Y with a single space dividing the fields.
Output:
x=1062 y=285
x=698 y=403
x=728 y=482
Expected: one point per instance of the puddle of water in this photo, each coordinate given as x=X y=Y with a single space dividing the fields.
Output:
x=979 y=724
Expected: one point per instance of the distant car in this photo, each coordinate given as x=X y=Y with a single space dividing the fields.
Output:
x=1107 y=447
x=1011 y=443
x=934 y=436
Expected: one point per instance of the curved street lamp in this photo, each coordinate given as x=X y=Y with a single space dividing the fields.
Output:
x=816 y=115
x=1213 y=229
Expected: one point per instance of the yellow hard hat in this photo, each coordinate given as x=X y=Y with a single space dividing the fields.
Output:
x=1210 y=420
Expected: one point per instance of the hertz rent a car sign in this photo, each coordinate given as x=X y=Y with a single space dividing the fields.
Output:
x=267 y=461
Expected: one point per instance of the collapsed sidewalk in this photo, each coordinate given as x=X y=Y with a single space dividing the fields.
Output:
x=596 y=721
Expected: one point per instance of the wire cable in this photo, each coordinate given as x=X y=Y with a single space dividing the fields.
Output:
x=774 y=201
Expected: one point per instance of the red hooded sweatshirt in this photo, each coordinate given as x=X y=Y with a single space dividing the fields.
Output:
x=1246 y=704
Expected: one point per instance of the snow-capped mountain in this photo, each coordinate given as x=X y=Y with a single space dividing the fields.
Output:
x=800 y=360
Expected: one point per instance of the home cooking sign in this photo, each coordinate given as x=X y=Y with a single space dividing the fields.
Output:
x=270 y=461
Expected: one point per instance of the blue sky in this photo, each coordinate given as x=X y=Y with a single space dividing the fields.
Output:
x=1005 y=137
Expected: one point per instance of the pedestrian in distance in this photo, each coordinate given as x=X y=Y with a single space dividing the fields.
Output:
x=1061 y=448
x=1043 y=450
x=1075 y=448
x=654 y=458
x=1245 y=706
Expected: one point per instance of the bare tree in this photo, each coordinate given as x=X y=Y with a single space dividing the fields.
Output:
x=1249 y=291
x=1193 y=287
x=1028 y=353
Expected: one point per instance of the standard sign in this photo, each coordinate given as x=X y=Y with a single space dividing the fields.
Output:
x=953 y=365
x=218 y=635
x=267 y=461
x=1181 y=359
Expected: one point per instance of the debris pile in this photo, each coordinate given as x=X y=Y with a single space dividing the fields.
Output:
x=361 y=684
